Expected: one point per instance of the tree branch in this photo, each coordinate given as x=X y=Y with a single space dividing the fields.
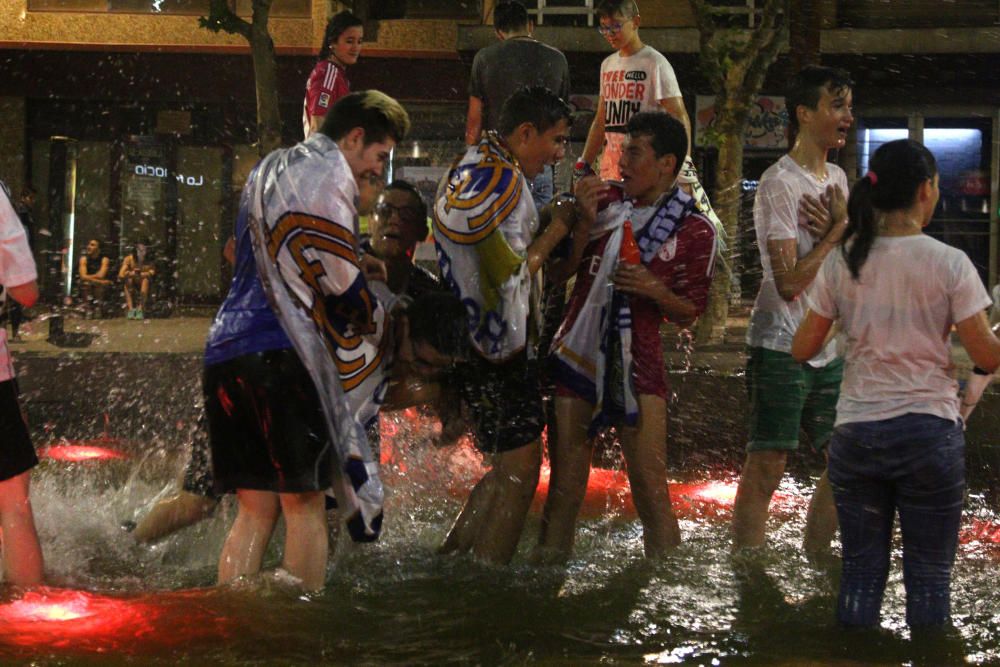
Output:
x=222 y=19
x=711 y=56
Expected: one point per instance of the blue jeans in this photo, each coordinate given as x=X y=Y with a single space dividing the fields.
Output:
x=913 y=464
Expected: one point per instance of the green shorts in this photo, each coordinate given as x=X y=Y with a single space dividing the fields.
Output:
x=786 y=396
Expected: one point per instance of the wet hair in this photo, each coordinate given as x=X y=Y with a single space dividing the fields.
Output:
x=379 y=115
x=899 y=168
x=510 y=16
x=440 y=320
x=418 y=200
x=807 y=87
x=609 y=9
x=335 y=27
x=666 y=134
x=536 y=105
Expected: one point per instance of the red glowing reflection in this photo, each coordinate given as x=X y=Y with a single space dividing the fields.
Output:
x=607 y=490
x=983 y=532
x=88 y=622
x=73 y=453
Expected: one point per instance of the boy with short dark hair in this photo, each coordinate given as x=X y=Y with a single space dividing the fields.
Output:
x=608 y=355
x=486 y=230
x=795 y=235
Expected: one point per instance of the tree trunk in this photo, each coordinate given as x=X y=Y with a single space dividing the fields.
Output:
x=266 y=76
x=711 y=327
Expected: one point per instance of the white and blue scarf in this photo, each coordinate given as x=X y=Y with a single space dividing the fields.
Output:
x=599 y=341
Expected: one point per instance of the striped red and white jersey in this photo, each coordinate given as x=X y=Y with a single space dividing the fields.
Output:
x=327 y=83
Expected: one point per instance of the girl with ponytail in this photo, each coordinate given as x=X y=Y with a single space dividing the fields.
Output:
x=898 y=443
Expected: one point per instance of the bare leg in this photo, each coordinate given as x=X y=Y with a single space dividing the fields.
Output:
x=464 y=531
x=645 y=449
x=143 y=293
x=306 y=540
x=244 y=548
x=171 y=514
x=22 y=555
x=761 y=475
x=513 y=489
x=821 y=519
x=127 y=286
x=570 y=460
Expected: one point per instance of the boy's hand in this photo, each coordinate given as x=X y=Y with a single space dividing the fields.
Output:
x=588 y=191
x=373 y=268
x=638 y=280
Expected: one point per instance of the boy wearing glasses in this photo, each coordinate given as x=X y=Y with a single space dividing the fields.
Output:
x=397 y=224
x=635 y=78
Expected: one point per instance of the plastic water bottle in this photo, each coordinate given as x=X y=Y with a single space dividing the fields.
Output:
x=629 y=252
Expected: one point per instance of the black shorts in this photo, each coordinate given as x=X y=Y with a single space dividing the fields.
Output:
x=265 y=424
x=198 y=471
x=16 y=453
x=505 y=400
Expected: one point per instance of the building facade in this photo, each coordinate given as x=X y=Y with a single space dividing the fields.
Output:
x=135 y=124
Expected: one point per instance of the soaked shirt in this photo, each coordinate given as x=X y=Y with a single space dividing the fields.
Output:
x=17 y=267
x=897 y=323
x=685 y=263
x=245 y=323
x=777 y=216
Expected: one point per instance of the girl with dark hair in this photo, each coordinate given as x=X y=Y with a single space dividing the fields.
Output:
x=328 y=82
x=898 y=444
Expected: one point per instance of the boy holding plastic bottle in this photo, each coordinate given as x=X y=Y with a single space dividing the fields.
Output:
x=649 y=256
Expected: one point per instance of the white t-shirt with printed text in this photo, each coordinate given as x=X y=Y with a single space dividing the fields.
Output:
x=777 y=216
x=630 y=84
x=17 y=267
x=897 y=321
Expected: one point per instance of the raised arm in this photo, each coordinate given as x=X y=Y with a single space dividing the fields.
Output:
x=474 y=121
x=675 y=107
x=595 y=137
x=587 y=190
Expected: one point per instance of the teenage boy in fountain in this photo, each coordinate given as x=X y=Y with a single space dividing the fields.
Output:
x=301 y=327
x=636 y=78
x=490 y=250
x=795 y=235
x=20 y=553
x=609 y=370
x=398 y=222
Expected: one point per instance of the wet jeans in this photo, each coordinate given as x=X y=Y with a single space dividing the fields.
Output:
x=913 y=464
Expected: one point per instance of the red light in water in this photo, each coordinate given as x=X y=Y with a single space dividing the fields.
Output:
x=984 y=532
x=722 y=493
x=75 y=453
x=81 y=622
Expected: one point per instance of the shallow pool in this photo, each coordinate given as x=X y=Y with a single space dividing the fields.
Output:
x=396 y=602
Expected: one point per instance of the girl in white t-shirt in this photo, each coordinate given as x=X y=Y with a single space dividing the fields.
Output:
x=898 y=444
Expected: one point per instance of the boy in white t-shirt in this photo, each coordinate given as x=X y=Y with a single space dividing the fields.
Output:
x=635 y=78
x=795 y=234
